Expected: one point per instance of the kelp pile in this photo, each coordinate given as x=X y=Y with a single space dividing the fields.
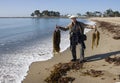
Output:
x=113 y=28
x=93 y=73
x=95 y=38
x=115 y=60
x=56 y=41
x=60 y=70
x=66 y=80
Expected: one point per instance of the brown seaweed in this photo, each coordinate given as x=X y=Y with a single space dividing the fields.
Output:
x=66 y=80
x=116 y=37
x=60 y=70
x=110 y=27
x=93 y=73
x=115 y=60
x=95 y=38
x=56 y=41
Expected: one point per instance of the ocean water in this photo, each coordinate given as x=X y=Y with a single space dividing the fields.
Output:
x=26 y=40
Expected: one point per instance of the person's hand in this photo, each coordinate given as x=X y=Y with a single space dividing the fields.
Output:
x=94 y=26
x=57 y=27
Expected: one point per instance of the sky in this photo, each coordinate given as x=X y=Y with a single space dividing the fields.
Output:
x=20 y=8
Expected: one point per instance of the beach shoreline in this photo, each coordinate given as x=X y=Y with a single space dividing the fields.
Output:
x=40 y=70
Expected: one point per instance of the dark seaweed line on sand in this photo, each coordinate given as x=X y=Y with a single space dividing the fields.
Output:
x=110 y=27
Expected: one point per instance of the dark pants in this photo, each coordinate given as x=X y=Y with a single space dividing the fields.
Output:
x=73 y=50
x=74 y=41
x=73 y=45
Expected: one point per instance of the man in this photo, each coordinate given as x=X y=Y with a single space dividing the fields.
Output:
x=76 y=30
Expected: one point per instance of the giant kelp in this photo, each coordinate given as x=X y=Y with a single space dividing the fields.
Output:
x=56 y=41
x=95 y=38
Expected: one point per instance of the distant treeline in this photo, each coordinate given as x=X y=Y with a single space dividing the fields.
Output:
x=107 y=13
x=37 y=13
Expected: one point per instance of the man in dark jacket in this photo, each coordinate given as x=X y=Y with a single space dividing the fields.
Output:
x=76 y=30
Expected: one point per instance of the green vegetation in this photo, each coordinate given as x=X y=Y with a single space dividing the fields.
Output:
x=37 y=13
x=107 y=13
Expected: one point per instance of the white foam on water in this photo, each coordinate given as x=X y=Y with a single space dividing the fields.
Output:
x=14 y=67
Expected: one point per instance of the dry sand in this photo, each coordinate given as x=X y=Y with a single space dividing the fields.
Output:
x=115 y=20
x=96 y=60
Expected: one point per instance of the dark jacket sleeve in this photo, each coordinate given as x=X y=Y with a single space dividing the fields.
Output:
x=83 y=25
x=86 y=26
x=64 y=28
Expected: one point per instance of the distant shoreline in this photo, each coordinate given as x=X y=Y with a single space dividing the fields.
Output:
x=54 y=17
x=60 y=17
x=15 y=17
x=36 y=17
x=44 y=17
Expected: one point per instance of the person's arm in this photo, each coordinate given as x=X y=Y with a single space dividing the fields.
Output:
x=89 y=26
x=63 y=28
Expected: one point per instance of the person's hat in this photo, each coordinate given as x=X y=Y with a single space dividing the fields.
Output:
x=73 y=16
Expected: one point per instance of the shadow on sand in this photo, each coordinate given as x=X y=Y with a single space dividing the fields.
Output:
x=101 y=56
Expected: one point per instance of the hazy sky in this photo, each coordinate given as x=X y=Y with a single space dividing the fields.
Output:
x=26 y=7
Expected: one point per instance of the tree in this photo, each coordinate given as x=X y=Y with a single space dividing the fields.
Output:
x=32 y=14
x=57 y=14
x=89 y=14
x=109 y=13
x=116 y=13
x=45 y=13
x=97 y=14
x=78 y=14
x=51 y=13
x=37 y=13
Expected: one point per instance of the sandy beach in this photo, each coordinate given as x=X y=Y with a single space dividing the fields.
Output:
x=108 y=46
